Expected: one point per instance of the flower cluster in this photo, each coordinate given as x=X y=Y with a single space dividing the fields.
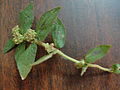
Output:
x=18 y=38
x=30 y=35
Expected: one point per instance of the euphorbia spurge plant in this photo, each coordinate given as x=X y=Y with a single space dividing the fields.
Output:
x=27 y=40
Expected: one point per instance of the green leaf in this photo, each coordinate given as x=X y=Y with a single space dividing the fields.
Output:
x=97 y=53
x=26 y=18
x=42 y=34
x=58 y=34
x=47 y=19
x=25 y=59
x=19 y=50
x=44 y=25
x=116 y=68
x=8 y=46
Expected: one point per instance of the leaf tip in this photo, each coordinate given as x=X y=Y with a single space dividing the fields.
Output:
x=106 y=46
x=109 y=46
x=22 y=78
x=59 y=7
x=4 y=51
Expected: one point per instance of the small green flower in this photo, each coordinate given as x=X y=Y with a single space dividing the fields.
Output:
x=17 y=37
x=15 y=30
x=30 y=35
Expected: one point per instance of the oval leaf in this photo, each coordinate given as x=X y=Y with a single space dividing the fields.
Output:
x=46 y=22
x=97 y=53
x=25 y=59
x=58 y=34
x=47 y=19
x=8 y=46
x=26 y=18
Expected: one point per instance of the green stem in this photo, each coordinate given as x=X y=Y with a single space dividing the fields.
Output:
x=40 y=43
x=58 y=52
x=67 y=57
x=44 y=58
x=99 y=67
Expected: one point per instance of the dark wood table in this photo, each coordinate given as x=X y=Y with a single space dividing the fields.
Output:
x=88 y=23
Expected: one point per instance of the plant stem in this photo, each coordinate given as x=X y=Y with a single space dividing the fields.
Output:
x=98 y=66
x=40 y=43
x=44 y=58
x=67 y=57
x=57 y=51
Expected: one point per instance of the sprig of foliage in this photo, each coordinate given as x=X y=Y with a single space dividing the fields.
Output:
x=49 y=23
x=97 y=53
x=26 y=18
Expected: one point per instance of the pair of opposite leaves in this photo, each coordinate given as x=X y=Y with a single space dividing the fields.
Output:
x=48 y=23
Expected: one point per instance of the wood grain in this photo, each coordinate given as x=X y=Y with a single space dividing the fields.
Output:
x=88 y=22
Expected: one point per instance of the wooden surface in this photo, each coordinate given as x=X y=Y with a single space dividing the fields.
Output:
x=88 y=23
